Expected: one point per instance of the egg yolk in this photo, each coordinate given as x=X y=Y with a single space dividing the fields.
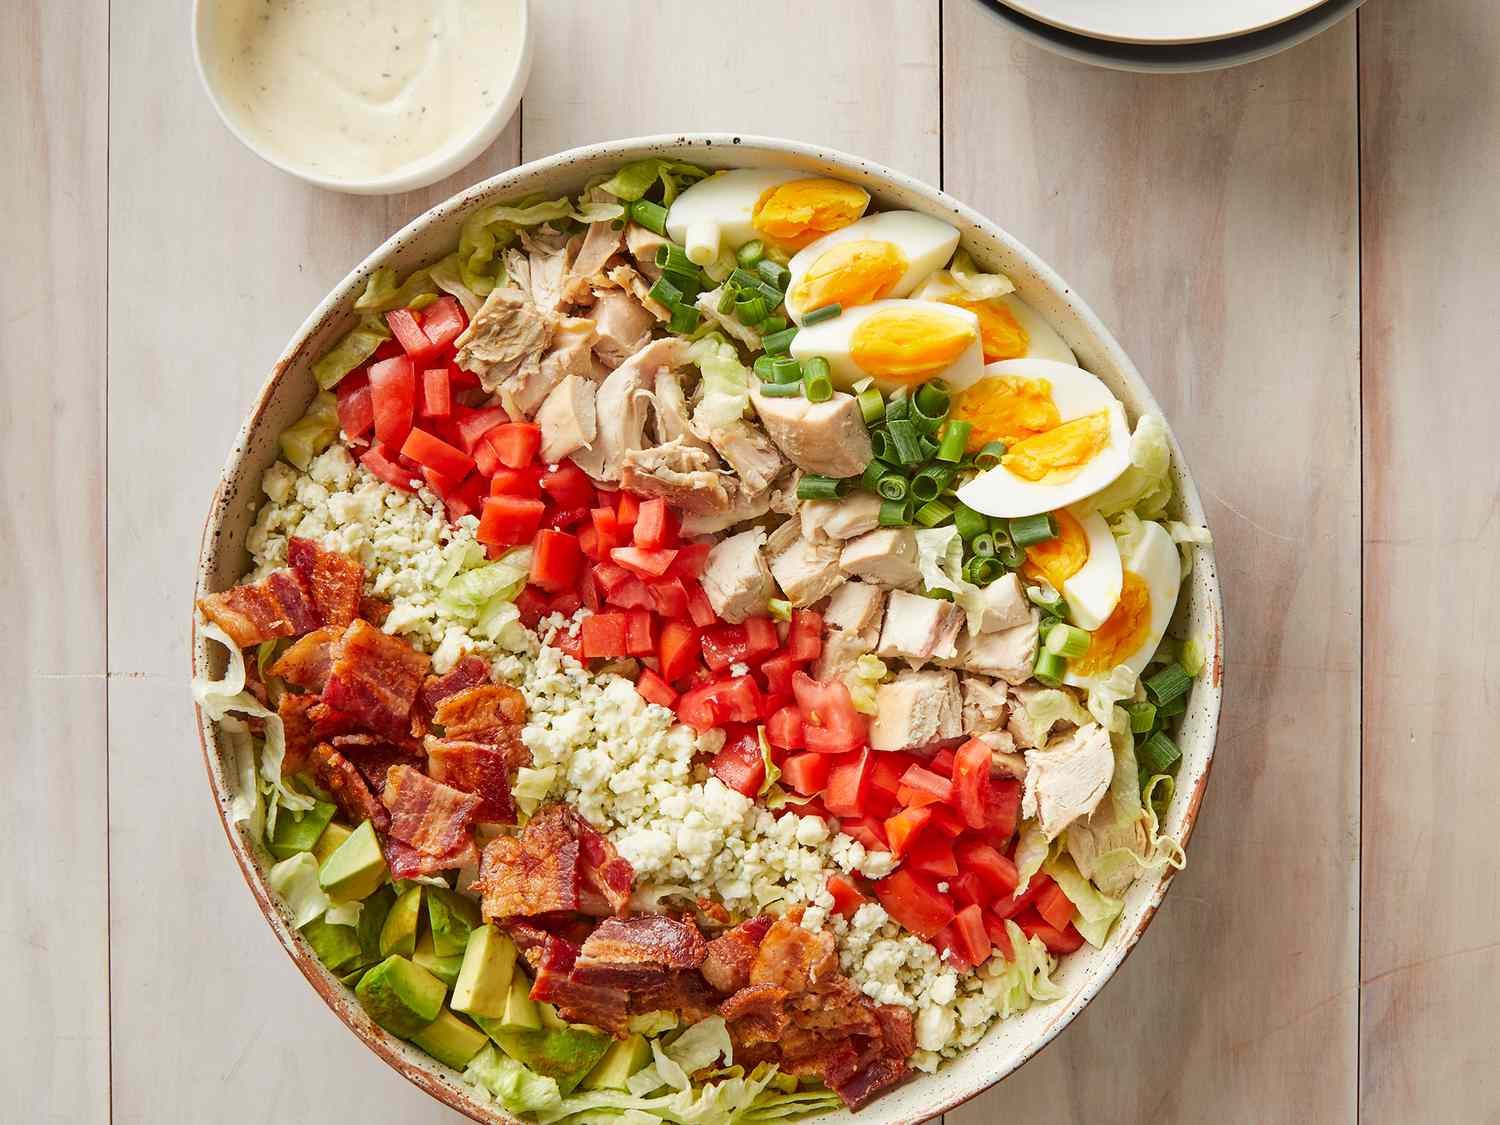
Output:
x=1005 y=408
x=850 y=273
x=1063 y=450
x=1061 y=557
x=802 y=211
x=999 y=330
x=1122 y=633
x=908 y=345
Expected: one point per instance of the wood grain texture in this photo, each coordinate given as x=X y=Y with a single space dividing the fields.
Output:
x=1210 y=220
x=54 y=941
x=1430 y=80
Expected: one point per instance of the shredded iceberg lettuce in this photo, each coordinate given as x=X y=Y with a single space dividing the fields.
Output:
x=634 y=180
x=531 y=786
x=982 y=286
x=1096 y=910
x=1107 y=691
x=1122 y=838
x=384 y=293
x=296 y=881
x=773 y=771
x=1191 y=656
x=726 y=383
x=314 y=432
x=1187 y=536
x=517 y=1088
x=862 y=681
x=1042 y=710
x=485 y=596
x=245 y=806
x=940 y=558
x=1031 y=853
x=353 y=348
x=491 y=229
x=1014 y=985
x=1144 y=485
x=701 y=1045
x=449 y=278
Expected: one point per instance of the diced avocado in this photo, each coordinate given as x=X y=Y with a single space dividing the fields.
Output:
x=444 y=968
x=452 y=916
x=355 y=868
x=372 y=916
x=520 y=1009
x=399 y=934
x=336 y=946
x=401 y=996
x=624 y=1058
x=550 y=1019
x=294 y=834
x=450 y=1040
x=566 y=1054
x=483 y=985
x=328 y=843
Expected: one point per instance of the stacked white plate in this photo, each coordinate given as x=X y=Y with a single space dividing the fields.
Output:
x=1169 y=35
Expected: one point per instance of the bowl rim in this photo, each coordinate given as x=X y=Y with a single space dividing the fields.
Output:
x=410 y=177
x=422 y=1071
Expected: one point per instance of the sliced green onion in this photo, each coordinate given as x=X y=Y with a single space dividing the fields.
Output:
x=750 y=253
x=773 y=324
x=785 y=369
x=763 y=367
x=955 y=437
x=989 y=456
x=870 y=479
x=895 y=513
x=933 y=397
x=904 y=437
x=928 y=447
x=885 y=449
x=781 y=390
x=927 y=422
x=1050 y=668
x=750 y=311
x=673 y=257
x=930 y=482
x=1026 y=530
x=933 y=513
x=666 y=294
x=1142 y=717
x=860 y=386
x=779 y=608
x=1166 y=685
x=684 y=319
x=617 y=224
x=774 y=272
x=969 y=522
x=827 y=312
x=818 y=388
x=777 y=343
x=652 y=216
x=1045 y=626
x=898 y=404
x=982 y=545
x=871 y=406
x=1157 y=754
x=1069 y=641
x=811 y=486
x=726 y=300
x=816 y=367
x=1010 y=556
x=744 y=279
x=691 y=284
x=892 y=486
x=1048 y=603
x=985 y=571
x=1172 y=708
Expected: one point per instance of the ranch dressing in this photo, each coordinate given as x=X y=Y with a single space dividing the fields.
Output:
x=357 y=89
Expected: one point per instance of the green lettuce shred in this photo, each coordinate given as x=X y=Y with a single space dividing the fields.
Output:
x=862 y=680
x=726 y=383
x=1144 y=485
x=1031 y=853
x=1096 y=911
x=1015 y=985
x=634 y=180
x=491 y=229
x=773 y=771
x=516 y=1087
x=296 y=881
x=314 y=432
x=384 y=293
x=974 y=282
x=353 y=348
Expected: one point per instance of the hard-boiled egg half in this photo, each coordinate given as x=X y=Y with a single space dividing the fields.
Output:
x=1010 y=328
x=898 y=343
x=1065 y=434
x=1148 y=595
x=1082 y=562
x=884 y=255
x=786 y=208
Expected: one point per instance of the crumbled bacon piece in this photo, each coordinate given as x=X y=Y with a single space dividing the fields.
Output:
x=756 y=1014
x=469 y=672
x=298 y=727
x=638 y=952
x=307 y=661
x=433 y=818
x=337 y=775
x=731 y=954
x=533 y=873
x=684 y=992
x=607 y=880
x=577 y=1000
x=876 y=1075
x=794 y=958
x=375 y=678
x=295 y=599
x=334 y=581
x=714 y=911
x=474 y=768
x=249 y=614
x=484 y=713
x=406 y=862
x=373 y=757
x=374 y=610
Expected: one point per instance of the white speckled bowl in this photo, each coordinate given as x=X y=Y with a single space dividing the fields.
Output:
x=289 y=389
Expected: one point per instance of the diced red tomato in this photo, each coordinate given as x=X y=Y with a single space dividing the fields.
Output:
x=509 y=521
x=901 y=830
x=738 y=699
x=475 y=424
x=627 y=508
x=678 y=650
x=569 y=486
x=698 y=708
x=443 y=321
x=669 y=595
x=611 y=577
x=848 y=783
x=437 y=454
x=740 y=765
x=555 y=560
x=761 y=638
x=968 y=889
x=700 y=609
x=971 y=939
x=946 y=821
x=945 y=941
x=409 y=334
x=999 y=936
x=654 y=689
x=1009 y=907
x=654 y=525
x=486 y=460
x=846 y=896
x=532 y=605
x=1002 y=808
x=806 y=774
x=437 y=397
x=467 y=500
x=805 y=640
x=566 y=603
x=630 y=594
x=570 y=643
x=645 y=564
x=690 y=561
x=515 y=443
x=604 y=635
x=930 y=854
x=378 y=460
x=588 y=543
x=830 y=723
x=784 y=729
x=564 y=518
x=971 y=782
x=923 y=787
x=588 y=589
x=1057 y=940
x=459 y=379
x=998 y=873
x=356 y=408
x=393 y=392
x=1055 y=907
x=607 y=528
x=867 y=830
x=777 y=671
x=515 y=482
x=915 y=904
x=942 y=762
x=638 y=638
x=889 y=767
x=724 y=645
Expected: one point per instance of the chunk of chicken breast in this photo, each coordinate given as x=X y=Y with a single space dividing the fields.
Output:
x=918 y=628
x=642 y=244
x=916 y=709
x=1068 y=778
x=735 y=577
x=567 y=419
x=507 y=336
x=887 y=557
x=620 y=407
x=683 y=476
x=1000 y=605
x=851 y=623
x=828 y=438
x=806 y=570
x=747 y=450
x=1007 y=654
x=622 y=324
x=524 y=392
x=840 y=519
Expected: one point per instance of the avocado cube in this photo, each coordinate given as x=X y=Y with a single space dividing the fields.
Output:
x=452 y=917
x=483 y=985
x=624 y=1058
x=399 y=934
x=328 y=843
x=521 y=1012
x=372 y=918
x=566 y=1054
x=352 y=978
x=336 y=946
x=300 y=832
x=550 y=1019
x=356 y=868
x=444 y=968
x=401 y=996
x=450 y=1040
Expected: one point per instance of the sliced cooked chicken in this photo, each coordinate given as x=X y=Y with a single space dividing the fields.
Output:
x=642 y=245
x=601 y=243
x=567 y=419
x=918 y=628
x=735 y=577
x=1068 y=778
x=806 y=571
x=506 y=337
x=622 y=326
x=743 y=506
x=749 y=453
x=524 y=392
x=828 y=438
x=1001 y=605
x=686 y=478
x=620 y=407
x=887 y=557
x=916 y=709
x=671 y=412
x=627 y=278
x=840 y=519
x=1008 y=654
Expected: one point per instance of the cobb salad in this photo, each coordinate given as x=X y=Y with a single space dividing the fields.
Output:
x=705 y=656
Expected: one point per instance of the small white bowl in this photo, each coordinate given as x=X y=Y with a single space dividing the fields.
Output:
x=420 y=174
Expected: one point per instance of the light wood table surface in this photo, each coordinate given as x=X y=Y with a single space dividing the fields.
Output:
x=1301 y=255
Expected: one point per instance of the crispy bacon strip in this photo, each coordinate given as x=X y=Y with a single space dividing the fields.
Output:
x=373 y=757
x=533 y=873
x=433 y=818
x=406 y=862
x=295 y=599
x=607 y=880
x=306 y=663
x=871 y=1079
x=483 y=713
x=376 y=679
x=756 y=1014
x=794 y=958
x=301 y=735
x=469 y=672
x=474 y=768
x=635 y=953
x=684 y=992
x=732 y=954
x=577 y=1000
x=374 y=610
x=249 y=614
x=337 y=775
x=334 y=581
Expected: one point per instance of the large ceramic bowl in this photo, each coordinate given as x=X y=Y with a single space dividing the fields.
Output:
x=289 y=389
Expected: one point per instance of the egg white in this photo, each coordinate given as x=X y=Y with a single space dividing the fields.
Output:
x=833 y=340
x=1075 y=392
x=718 y=211
x=925 y=242
x=1094 y=591
x=1043 y=342
x=1153 y=556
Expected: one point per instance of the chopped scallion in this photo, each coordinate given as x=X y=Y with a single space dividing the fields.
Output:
x=1172 y=708
x=884 y=447
x=1026 y=530
x=744 y=279
x=774 y=272
x=989 y=456
x=726 y=300
x=892 y=486
x=898 y=404
x=781 y=390
x=666 y=294
x=750 y=253
x=777 y=343
x=670 y=256
x=652 y=216
x=1142 y=717
x=751 y=310
x=982 y=545
x=1166 y=685
x=827 y=312
x=818 y=388
x=811 y=486
x=930 y=482
x=773 y=324
x=1050 y=667
x=871 y=406
x=1069 y=641
x=1047 y=600
x=904 y=438
x=984 y=571
x=895 y=513
x=684 y=319
x=816 y=367
x=785 y=369
x=969 y=522
x=1158 y=754
x=763 y=368
x=955 y=437
x=870 y=479
x=934 y=512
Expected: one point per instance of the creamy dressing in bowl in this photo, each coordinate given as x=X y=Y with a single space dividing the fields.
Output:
x=364 y=94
